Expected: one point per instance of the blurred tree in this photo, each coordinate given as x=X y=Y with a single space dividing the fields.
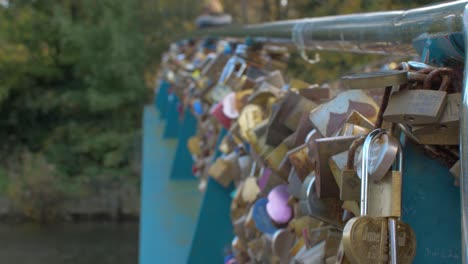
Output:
x=72 y=82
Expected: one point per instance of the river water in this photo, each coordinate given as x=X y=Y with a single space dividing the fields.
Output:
x=70 y=243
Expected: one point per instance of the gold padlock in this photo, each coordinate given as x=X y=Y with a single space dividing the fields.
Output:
x=416 y=107
x=342 y=166
x=377 y=239
x=447 y=129
x=299 y=158
x=325 y=148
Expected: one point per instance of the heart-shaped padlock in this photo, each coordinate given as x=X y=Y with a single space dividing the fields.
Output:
x=365 y=240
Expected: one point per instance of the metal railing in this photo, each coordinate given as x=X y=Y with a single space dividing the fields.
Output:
x=387 y=33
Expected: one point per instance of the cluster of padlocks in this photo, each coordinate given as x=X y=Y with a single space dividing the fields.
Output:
x=317 y=169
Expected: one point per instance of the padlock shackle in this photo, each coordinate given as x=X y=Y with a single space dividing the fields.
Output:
x=366 y=152
x=230 y=67
x=365 y=168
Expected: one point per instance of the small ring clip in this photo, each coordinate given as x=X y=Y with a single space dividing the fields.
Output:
x=298 y=39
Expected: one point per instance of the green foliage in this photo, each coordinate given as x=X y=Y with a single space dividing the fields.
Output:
x=72 y=82
x=35 y=190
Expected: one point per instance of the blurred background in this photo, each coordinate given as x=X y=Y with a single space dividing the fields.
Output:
x=74 y=77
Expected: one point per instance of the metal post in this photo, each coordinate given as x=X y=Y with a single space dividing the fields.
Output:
x=464 y=148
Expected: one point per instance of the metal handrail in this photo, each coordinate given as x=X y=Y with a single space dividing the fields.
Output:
x=380 y=32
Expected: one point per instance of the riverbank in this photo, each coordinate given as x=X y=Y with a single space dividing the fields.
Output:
x=111 y=202
x=70 y=243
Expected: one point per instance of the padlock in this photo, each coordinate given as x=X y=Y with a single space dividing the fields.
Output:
x=340 y=255
x=291 y=118
x=329 y=117
x=383 y=152
x=325 y=209
x=316 y=94
x=303 y=129
x=359 y=123
x=294 y=184
x=276 y=131
x=275 y=78
x=250 y=116
x=422 y=106
x=220 y=172
x=342 y=167
x=299 y=158
x=373 y=80
x=312 y=255
x=274 y=158
x=277 y=207
x=269 y=180
x=324 y=149
x=221 y=89
x=282 y=242
x=365 y=238
x=298 y=225
x=447 y=129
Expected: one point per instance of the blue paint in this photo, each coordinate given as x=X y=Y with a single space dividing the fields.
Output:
x=172 y=117
x=214 y=233
x=169 y=209
x=431 y=205
x=161 y=96
x=182 y=165
x=440 y=49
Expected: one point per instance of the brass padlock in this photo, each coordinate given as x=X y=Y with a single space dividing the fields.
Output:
x=416 y=107
x=328 y=118
x=343 y=169
x=274 y=158
x=376 y=239
x=324 y=149
x=356 y=124
x=220 y=172
x=250 y=117
x=299 y=158
x=447 y=129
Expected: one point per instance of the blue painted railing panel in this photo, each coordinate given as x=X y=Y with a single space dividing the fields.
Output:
x=182 y=165
x=431 y=205
x=169 y=209
x=172 y=117
x=214 y=231
x=161 y=97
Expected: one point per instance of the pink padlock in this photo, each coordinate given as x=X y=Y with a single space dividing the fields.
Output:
x=217 y=112
x=277 y=207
